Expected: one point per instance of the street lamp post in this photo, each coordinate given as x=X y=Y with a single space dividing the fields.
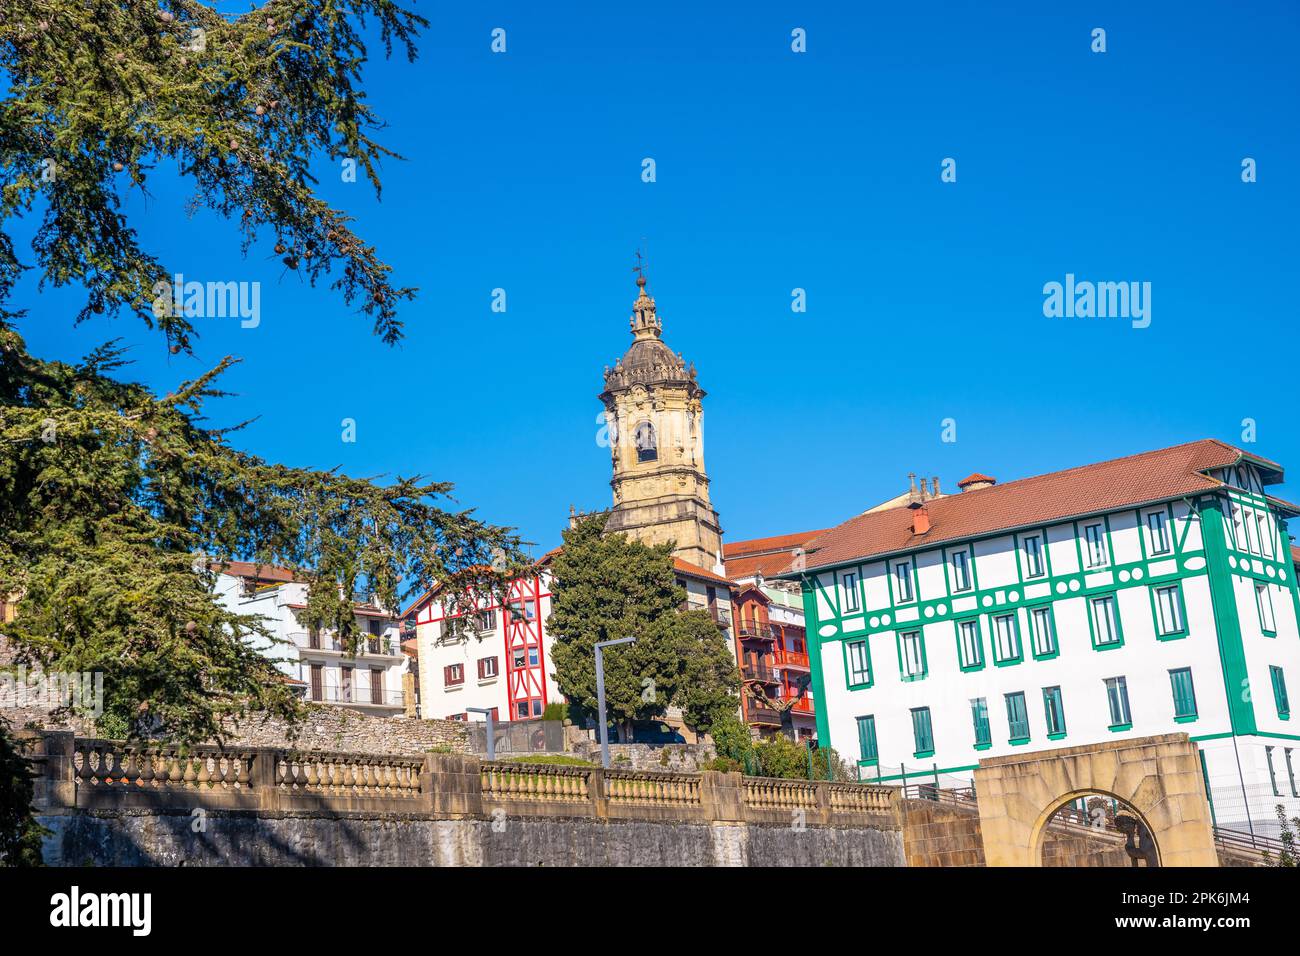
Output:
x=600 y=694
x=491 y=725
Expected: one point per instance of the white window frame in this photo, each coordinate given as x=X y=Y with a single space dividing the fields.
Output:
x=913 y=656
x=1166 y=540
x=1264 y=599
x=903 y=582
x=1033 y=614
x=862 y=666
x=998 y=656
x=1174 y=608
x=849 y=581
x=1095 y=553
x=961 y=571
x=1112 y=619
x=972 y=646
x=1029 y=556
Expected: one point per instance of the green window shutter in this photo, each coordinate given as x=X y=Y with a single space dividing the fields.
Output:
x=867 y=737
x=979 y=709
x=922 y=731
x=1017 y=716
x=1054 y=710
x=1279 y=692
x=1184 y=693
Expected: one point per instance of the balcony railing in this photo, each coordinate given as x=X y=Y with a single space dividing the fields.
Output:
x=721 y=615
x=790 y=658
x=372 y=644
x=751 y=631
x=801 y=705
x=357 y=696
x=765 y=716
x=759 y=672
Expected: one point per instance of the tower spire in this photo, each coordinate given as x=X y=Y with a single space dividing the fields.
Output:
x=645 y=322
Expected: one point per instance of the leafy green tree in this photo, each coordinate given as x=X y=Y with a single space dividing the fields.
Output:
x=611 y=586
x=104 y=91
x=20 y=834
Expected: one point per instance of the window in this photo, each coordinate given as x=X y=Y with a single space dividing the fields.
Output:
x=979 y=712
x=1104 y=621
x=1184 y=694
x=858 y=661
x=486 y=621
x=1041 y=635
x=867 y=739
x=1264 y=601
x=377 y=685
x=970 y=649
x=961 y=571
x=1170 y=619
x=317 y=682
x=1158 y=532
x=1252 y=529
x=903 y=582
x=1055 y=712
x=1279 y=692
x=1272 y=776
x=1017 y=717
x=1265 y=534
x=1006 y=639
x=453 y=674
x=345 y=675
x=1094 y=552
x=487 y=668
x=644 y=436
x=1033 y=556
x=911 y=655
x=1117 y=698
x=850 y=592
x=922 y=731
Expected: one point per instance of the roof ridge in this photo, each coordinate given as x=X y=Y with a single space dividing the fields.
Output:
x=1098 y=464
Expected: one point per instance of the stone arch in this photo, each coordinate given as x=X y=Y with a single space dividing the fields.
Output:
x=1159 y=777
x=1038 y=837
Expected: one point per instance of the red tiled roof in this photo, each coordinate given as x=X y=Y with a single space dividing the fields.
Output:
x=689 y=570
x=971 y=479
x=1088 y=489
x=1295 y=555
x=766 y=556
x=780 y=542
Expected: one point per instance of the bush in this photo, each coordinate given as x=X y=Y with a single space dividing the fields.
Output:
x=555 y=711
x=723 y=765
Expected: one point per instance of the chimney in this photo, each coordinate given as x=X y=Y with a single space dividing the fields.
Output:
x=911 y=491
x=920 y=518
x=936 y=486
x=975 y=482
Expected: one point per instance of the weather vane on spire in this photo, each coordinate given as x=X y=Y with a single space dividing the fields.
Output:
x=639 y=268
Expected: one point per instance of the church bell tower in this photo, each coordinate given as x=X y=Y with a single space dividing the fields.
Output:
x=655 y=419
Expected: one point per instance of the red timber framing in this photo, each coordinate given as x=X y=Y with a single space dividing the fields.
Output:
x=525 y=653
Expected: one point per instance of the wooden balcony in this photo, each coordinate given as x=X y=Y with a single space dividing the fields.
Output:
x=803 y=705
x=758 y=672
x=762 y=716
x=788 y=658
x=750 y=631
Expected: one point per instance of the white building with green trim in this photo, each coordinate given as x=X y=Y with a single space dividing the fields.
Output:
x=1146 y=595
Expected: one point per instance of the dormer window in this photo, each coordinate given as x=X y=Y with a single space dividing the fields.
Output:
x=646 y=450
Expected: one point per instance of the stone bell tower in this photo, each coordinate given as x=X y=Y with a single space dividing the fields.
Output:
x=655 y=418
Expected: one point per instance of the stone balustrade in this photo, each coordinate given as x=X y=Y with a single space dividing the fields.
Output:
x=75 y=774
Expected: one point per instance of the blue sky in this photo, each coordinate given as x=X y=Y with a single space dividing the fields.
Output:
x=778 y=170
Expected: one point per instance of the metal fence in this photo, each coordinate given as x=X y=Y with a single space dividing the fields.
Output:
x=519 y=736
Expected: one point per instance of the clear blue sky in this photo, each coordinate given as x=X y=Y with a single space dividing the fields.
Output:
x=777 y=171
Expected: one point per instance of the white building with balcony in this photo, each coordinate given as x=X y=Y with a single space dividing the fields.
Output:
x=369 y=681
